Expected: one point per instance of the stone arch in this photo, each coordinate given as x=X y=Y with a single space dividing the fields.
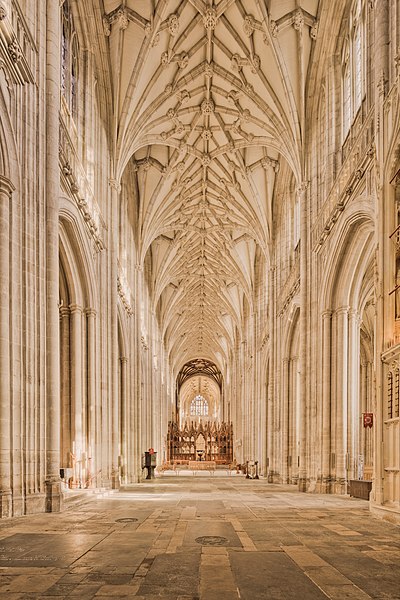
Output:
x=76 y=257
x=80 y=416
x=348 y=288
x=353 y=238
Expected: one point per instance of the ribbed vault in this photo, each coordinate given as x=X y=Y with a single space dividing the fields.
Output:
x=197 y=367
x=209 y=100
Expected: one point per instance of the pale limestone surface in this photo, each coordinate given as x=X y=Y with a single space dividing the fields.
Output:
x=269 y=542
x=183 y=181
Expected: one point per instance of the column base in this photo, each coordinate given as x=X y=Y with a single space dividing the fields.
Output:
x=5 y=505
x=323 y=485
x=35 y=503
x=18 y=505
x=302 y=484
x=274 y=477
x=115 y=480
x=339 y=487
x=53 y=496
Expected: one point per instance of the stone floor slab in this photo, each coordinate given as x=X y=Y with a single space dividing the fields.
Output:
x=280 y=545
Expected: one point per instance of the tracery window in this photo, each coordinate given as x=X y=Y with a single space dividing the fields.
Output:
x=199 y=407
x=353 y=66
x=296 y=222
x=390 y=395
x=322 y=146
x=346 y=84
x=69 y=59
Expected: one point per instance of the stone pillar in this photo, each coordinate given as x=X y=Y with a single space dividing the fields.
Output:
x=271 y=377
x=65 y=428
x=326 y=399
x=78 y=441
x=342 y=399
x=53 y=484
x=91 y=395
x=302 y=192
x=285 y=421
x=294 y=428
x=113 y=332
x=363 y=408
x=353 y=405
x=139 y=447
x=6 y=189
x=124 y=417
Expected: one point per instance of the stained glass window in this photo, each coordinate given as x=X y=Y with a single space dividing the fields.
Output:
x=199 y=407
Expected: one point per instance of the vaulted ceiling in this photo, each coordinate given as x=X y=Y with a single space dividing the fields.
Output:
x=208 y=106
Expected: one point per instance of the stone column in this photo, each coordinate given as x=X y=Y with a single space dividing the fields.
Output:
x=353 y=406
x=326 y=399
x=295 y=428
x=124 y=416
x=65 y=426
x=6 y=189
x=285 y=420
x=91 y=394
x=78 y=441
x=271 y=377
x=385 y=255
x=362 y=438
x=113 y=332
x=342 y=399
x=53 y=484
x=302 y=192
x=138 y=376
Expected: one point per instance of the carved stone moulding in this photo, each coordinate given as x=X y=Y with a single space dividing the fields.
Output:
x=207 y=107
x=210 y=19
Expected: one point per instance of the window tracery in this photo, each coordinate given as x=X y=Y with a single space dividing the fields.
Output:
x=353 y=66
x=322 y=146
x=69 y=59
x=199 y=407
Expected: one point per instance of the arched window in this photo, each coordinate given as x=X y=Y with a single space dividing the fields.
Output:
x=353 y=70
x=199 y=407
x=322 y=146
x=346 y=92
x=358 y=67
x=69 y=59
x=390 y=395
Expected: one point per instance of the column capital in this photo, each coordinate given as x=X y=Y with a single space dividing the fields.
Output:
x=115 y=185
x=327 y=314
x=302 y=188
x=75 y=309
x=90 y=312
x=64 y=312
x=123 y=359
x=6 y=185
x=342 y=310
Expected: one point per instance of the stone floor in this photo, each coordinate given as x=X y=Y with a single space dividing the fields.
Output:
x=208 y=538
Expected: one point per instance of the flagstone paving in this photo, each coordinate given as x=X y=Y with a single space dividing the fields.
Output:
x=203 y=538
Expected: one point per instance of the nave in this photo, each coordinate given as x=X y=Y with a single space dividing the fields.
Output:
x=202 y=538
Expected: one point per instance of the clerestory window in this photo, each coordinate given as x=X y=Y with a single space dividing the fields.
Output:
x=69 y=59
x=353 y=70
